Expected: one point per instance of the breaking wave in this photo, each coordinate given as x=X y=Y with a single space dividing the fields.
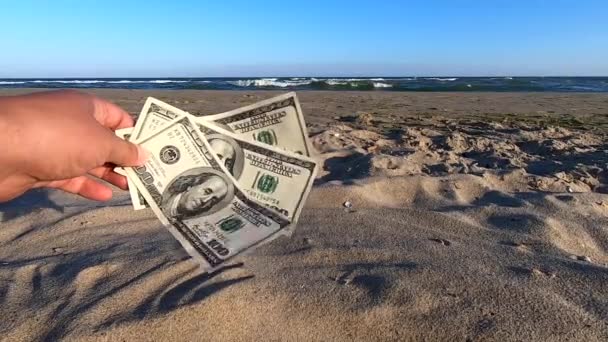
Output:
x=450 y=79
x=270 y=82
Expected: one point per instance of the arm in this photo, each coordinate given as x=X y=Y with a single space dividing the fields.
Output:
x=64 y=140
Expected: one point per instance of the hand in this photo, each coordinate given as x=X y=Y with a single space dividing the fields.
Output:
x=59 y=139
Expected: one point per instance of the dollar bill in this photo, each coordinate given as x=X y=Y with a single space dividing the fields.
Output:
x=154 y=116
x=197 y=199
x=137 y=200
x=277 y=121
x=277 y=178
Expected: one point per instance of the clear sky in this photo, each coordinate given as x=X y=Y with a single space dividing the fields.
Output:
x=110 y=38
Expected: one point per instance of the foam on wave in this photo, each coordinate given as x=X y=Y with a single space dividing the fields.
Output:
x=301 y=81
x=382 y=85
x=270 y=82
x=440 y=79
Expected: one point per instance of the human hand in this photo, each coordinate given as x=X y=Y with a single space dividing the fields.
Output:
x=59 y=139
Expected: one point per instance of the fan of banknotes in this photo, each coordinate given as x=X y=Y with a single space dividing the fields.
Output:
x=224 y=183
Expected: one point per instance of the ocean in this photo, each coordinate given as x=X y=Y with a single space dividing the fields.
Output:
x=487 y=84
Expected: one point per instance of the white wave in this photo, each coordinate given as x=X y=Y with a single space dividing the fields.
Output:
x=382 y=85
x=12 y=82
x=336 y=82
x=344 y=80
x=357 y=82
x=441 y=79
x=585 y=88
x=269 y=82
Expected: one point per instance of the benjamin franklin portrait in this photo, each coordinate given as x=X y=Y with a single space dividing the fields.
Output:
x=228 y=152
x=197 y=192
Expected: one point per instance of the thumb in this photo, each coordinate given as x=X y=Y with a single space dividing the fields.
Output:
x=125 y=153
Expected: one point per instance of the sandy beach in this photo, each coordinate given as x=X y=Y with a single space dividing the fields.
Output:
x=476 y=217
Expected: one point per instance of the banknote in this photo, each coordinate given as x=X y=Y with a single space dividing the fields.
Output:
x=137 y=200
x=197 y=199
x=154 y=115
x=277 y=121
x=277 y=178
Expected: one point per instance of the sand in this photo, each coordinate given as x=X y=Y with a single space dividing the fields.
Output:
x=476 y=217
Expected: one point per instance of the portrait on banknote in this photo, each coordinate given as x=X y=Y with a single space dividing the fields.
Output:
x=196 y=192
x=229 y=152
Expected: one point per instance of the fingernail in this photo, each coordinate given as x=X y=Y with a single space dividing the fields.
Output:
x=142 y=155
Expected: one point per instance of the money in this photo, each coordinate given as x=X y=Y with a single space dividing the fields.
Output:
x=153 y=116
x=277 y=121
x=193 y=194
x=277 y=178
x=224 y=183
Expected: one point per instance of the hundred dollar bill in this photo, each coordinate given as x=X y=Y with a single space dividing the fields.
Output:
x=199 y=201
x=277 y=178
x=277 y=121
x=137 y=200
x=154 y=115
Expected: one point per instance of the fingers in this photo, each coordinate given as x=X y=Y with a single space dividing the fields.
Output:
x=110 y=115
x=107 y=174
x=85 y=187
x=125 y=153
x=120 y=152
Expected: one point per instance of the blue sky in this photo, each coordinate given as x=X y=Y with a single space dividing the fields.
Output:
x=110 y=38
